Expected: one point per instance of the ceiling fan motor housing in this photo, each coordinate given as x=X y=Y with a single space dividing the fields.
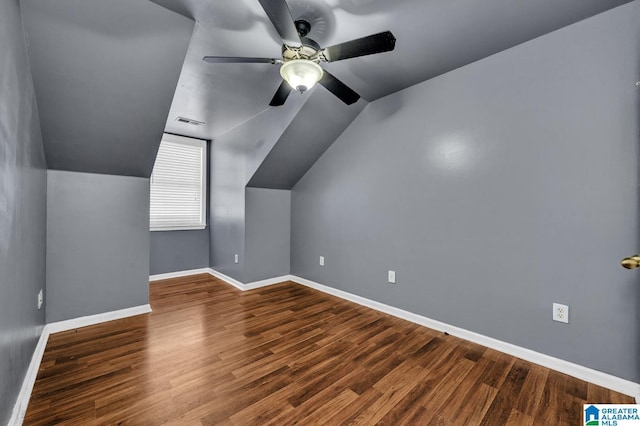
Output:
x=309 y=50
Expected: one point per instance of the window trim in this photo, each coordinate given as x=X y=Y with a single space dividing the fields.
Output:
x=199 y=143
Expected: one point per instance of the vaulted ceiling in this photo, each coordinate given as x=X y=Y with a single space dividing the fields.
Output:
x=111 y=75
x=104 y=74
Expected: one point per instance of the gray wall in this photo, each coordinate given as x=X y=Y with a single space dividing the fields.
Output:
x=267 y=233
x=23 y=185
x=494 y=191
x=173 y=251
x=234 y=158
x=97 y=243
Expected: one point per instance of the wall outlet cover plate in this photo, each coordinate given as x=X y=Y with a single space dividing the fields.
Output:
x=560 y=313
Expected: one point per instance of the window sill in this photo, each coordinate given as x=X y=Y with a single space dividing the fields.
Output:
x=179 y=228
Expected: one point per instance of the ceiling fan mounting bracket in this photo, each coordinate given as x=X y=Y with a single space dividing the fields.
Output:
x=303 y=27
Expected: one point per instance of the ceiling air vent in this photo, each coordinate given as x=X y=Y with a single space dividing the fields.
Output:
x=190 y=121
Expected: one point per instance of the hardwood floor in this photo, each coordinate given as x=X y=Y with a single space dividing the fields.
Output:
x=286 y=354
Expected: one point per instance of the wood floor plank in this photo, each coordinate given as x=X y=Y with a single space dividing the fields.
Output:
x=518 y=418
x=478 y=400
x=286 y=354
x=343 y=399
x=448 y=385
x=348 y=414
x=407 y=406
x=532 y=388
x=508 y=393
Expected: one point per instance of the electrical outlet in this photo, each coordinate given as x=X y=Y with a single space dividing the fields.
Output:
x=560 y=313
x=235 y=258
x=391 y=277
x=40 y=299
x=321 y=260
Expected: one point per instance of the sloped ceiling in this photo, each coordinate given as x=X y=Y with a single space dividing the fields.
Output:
x=105 y=71
x=318 y=123
x=433 y=37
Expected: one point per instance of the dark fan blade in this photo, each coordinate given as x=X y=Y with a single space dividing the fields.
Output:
x=235 y=60
x=280 y=16
x=376 y=43
x=338 y=88
x=281 y=94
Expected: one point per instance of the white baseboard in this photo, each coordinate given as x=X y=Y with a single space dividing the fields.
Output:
x=56 y=327
x=270 y=281
x=20 y=407
x=237 y=284
x=178 y=274
x=249 y=286
x=578 y=371
x=584 y=373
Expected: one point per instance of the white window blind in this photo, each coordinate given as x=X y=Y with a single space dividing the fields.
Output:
x=178 y=185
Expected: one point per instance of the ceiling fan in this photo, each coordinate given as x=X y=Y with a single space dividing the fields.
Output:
x=301 y=56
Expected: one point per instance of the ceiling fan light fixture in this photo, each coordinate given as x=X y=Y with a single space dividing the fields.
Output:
x=301 y=74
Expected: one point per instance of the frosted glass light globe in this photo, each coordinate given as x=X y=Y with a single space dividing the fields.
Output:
x=301 y=74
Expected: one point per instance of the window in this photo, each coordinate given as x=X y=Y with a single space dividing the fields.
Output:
x=178 y=198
